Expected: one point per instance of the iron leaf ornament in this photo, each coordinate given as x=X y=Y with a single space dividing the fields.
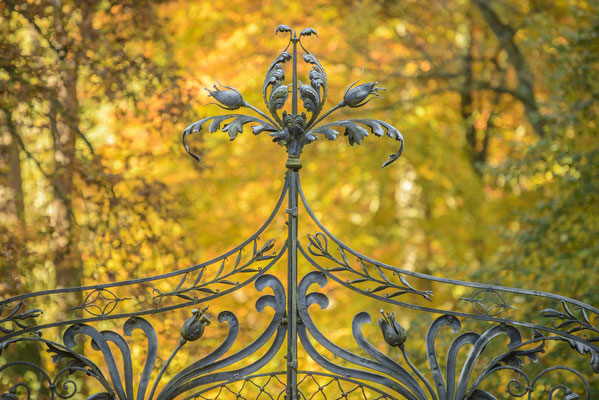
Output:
x=294 y=130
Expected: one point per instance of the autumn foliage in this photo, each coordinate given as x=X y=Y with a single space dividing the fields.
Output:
x=498 y=103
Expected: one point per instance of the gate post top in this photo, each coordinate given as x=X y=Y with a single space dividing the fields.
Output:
x=293 y=130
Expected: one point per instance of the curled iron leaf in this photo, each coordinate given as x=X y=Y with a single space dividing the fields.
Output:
x=318 y=78
x=278 y=97
x=274 y=78
x=308 y=32
x=282 y=28
x=239 y=120
x=308 y=137
x=310 y=97
x=355 y=133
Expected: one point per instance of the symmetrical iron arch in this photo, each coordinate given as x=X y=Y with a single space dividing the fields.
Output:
x=470 y=360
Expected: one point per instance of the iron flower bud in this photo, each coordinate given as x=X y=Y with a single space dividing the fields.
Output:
x=358 y=96
x=393 y=332
x=230 y=98
x=193 y=328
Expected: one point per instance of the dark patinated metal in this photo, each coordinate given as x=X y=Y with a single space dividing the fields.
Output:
x=471 y=359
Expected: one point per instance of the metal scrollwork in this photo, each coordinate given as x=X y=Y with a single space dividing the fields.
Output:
x=476 y=365
x=100 y=302
x=119 y=383
x=367 y=273
x=408 y=381
x=570 y=323
x=488 y=302
x=221 y=277
x=17 y=315
x=294 y=130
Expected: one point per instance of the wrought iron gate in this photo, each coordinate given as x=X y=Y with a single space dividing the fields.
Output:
x=475 y=362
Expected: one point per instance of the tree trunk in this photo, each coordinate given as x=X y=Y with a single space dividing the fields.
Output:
x=526 y=91
x=467 y=100
x=10 y=162
x=64 y=111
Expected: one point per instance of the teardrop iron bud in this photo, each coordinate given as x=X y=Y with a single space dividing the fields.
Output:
x=393 y=332
x=193 y=328
x=358 y=96
x=230 y=98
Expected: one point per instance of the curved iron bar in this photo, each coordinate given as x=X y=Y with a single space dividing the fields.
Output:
x=529 y=387
x=320 y=249
x=182 y=291
x=183 y=381
x=16 y=315
x=190 y=371
x=580 y=344
x=395 y=336
x=68 y=383
x=382 y=394
x=165 y=275
x=80 y=363
x=399 y=271
x=53 y=385
x=13 y=390
x=432 y=277
x=390 y=368
x=121 y=386
x=37 y=328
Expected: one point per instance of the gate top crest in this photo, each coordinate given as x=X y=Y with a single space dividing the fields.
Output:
x=473 y=361
x=295 y=130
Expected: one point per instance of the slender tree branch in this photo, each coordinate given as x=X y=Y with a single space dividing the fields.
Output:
x=15 y=135
x=505 y=36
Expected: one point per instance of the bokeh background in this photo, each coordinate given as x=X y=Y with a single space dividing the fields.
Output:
x=498 y=103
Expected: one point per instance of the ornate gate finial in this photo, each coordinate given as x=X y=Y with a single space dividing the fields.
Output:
x=294 y=130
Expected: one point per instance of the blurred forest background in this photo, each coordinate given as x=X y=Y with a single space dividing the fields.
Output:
x=498 y=102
